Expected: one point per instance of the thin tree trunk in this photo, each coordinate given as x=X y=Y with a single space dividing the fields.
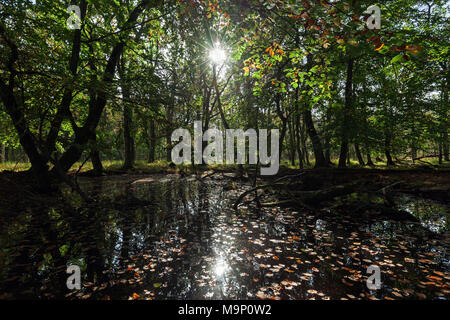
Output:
x=127 y=118
x=128 y=137
x=346 y=115
x=304 y=137
x=292 y=148
x=3 y=153
x=413 y=154
x=445 y=147
x=315 y=139
x=358 y=155
x=328 y=137
x=298 y=139
x=297 y=128
x=387 y=152
x=369 y=159
x=152 y=146
x=283 y=123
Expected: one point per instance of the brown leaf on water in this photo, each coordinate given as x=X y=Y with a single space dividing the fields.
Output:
x=434 y=278
x=347 y=283
x=439 y=273
x=421 y=295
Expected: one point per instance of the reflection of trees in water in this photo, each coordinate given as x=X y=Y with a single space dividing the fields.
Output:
x=119 y=224
x=55 y=238
x=23 y=264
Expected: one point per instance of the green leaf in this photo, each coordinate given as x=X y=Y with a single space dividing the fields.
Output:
x=397 y=58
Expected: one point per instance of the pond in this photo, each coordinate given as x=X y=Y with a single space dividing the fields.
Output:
x=168 y=237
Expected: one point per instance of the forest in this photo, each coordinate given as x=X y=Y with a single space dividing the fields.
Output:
x=349 y=98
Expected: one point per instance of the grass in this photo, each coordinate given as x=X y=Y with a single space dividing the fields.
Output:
x=162 y=166
x=14 y=166
x=159 y=166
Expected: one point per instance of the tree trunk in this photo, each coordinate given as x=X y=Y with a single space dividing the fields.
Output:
x=128 y=137
x=283 y=123
x=369 y=158
x=358 y=155
x=96 y=106
x=127 y=118
x=328 y=137
x=152 y=145
x=445 y=148
x=95 y=157
x=315 y=139
x=413 y=154
x=298 y=139
x=3 y=153
x=292 y=147
x=297 y=128
x=38 y=162
x=346 y=115
x=387 y=152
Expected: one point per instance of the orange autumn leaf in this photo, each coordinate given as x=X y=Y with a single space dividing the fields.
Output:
x=434 y=278
x=380 y=47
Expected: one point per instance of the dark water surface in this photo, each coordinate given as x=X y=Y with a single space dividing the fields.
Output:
x=166 y=237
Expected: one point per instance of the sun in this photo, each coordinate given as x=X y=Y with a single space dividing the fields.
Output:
x=217 y=55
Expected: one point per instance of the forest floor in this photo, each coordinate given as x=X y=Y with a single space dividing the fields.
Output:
x=303 y=234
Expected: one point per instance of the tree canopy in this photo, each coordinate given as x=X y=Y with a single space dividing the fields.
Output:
x=117 y=86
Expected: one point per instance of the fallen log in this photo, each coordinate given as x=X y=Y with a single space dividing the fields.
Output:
x=318 y=196
x=308 y=199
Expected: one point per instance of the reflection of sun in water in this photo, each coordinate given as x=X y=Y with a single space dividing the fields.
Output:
x=220 y=268
x=217 y=55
